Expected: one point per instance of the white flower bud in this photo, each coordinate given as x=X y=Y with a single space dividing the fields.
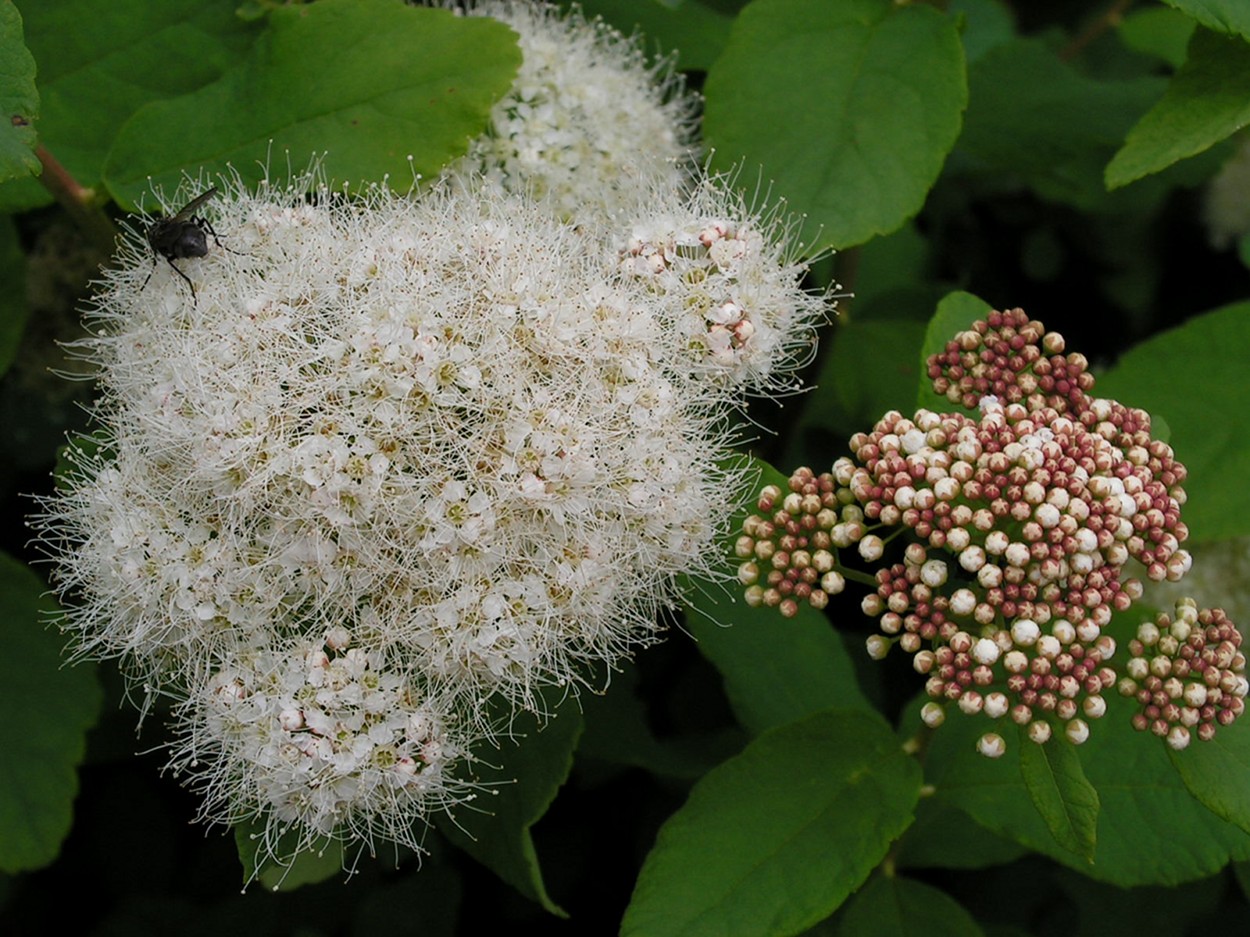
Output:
x=932 y=714
x=1039 y=731
x=991 y=745
x=1077 y=731
x=878 y=646
x=985 y=651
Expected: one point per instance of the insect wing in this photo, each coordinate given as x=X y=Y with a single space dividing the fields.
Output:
x=187 y=210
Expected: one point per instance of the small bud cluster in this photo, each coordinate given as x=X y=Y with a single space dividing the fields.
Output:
x=1017 y=526
x=735 y=320
x=335 y=739
x=1188 y=673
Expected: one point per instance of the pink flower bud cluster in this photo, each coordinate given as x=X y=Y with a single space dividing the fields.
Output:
x=1188 y=673
x=1017 y=525
x=1013 y=358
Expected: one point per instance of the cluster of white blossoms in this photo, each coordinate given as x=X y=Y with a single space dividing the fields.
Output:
x=588 y=124
x=381 y=469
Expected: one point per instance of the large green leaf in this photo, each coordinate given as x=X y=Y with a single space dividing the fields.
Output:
x=99 y=62
x=520 y=780
x=900 y=907
x=773 y=840
x=849 y=106
x=1218 y=772
x=1226 y=16
x=1207 y=100
x=18 y=98
x=1194 y=376
x=47 y=712
x=1158 y=31
x=379 y=87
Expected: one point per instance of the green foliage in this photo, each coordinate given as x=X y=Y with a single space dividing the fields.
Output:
x=1158 y=31
x=1205 y=103
x=1057 y=785
x=99 y=63
x=519 y=782
x=1150 y=830
x=1226 y=16
x=899 y=907
x=749 y=852
x=48 y=710
x=890 y=87
x=1033 y=117
x=695 y=32
x=1194 y=377
x=769 y=682
x=293 y=868
x=405 y=82
x=18 y=98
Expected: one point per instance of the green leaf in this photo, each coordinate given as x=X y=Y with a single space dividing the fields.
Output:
x=776 y=669
x=1218 y=772
x=1206 y=101
x=1226 y=16
x=1059 y=790
x=1151 y=830
x=369 y=83
x=13 y=308
x=986 y=24
x=849 y=107
x=48 y=710
x=1158 y=31
x=1194 y=376
x=98 y=63
x=521 y=780
x=955 y=313
x=900 y=907
x=697 y=33
x=1034 y=118
x=18 y=98
x=773 y=840
x=306 y=867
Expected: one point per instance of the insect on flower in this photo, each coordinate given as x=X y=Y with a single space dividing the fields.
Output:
x=181 y=235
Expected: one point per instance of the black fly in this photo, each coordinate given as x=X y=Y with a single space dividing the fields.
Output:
x=181 y=235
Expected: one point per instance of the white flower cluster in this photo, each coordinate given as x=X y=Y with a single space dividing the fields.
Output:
x=587 y=124
x=378 y=469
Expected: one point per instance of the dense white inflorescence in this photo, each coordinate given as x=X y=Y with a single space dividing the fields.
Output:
x=372 y=473
x=381 y=464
